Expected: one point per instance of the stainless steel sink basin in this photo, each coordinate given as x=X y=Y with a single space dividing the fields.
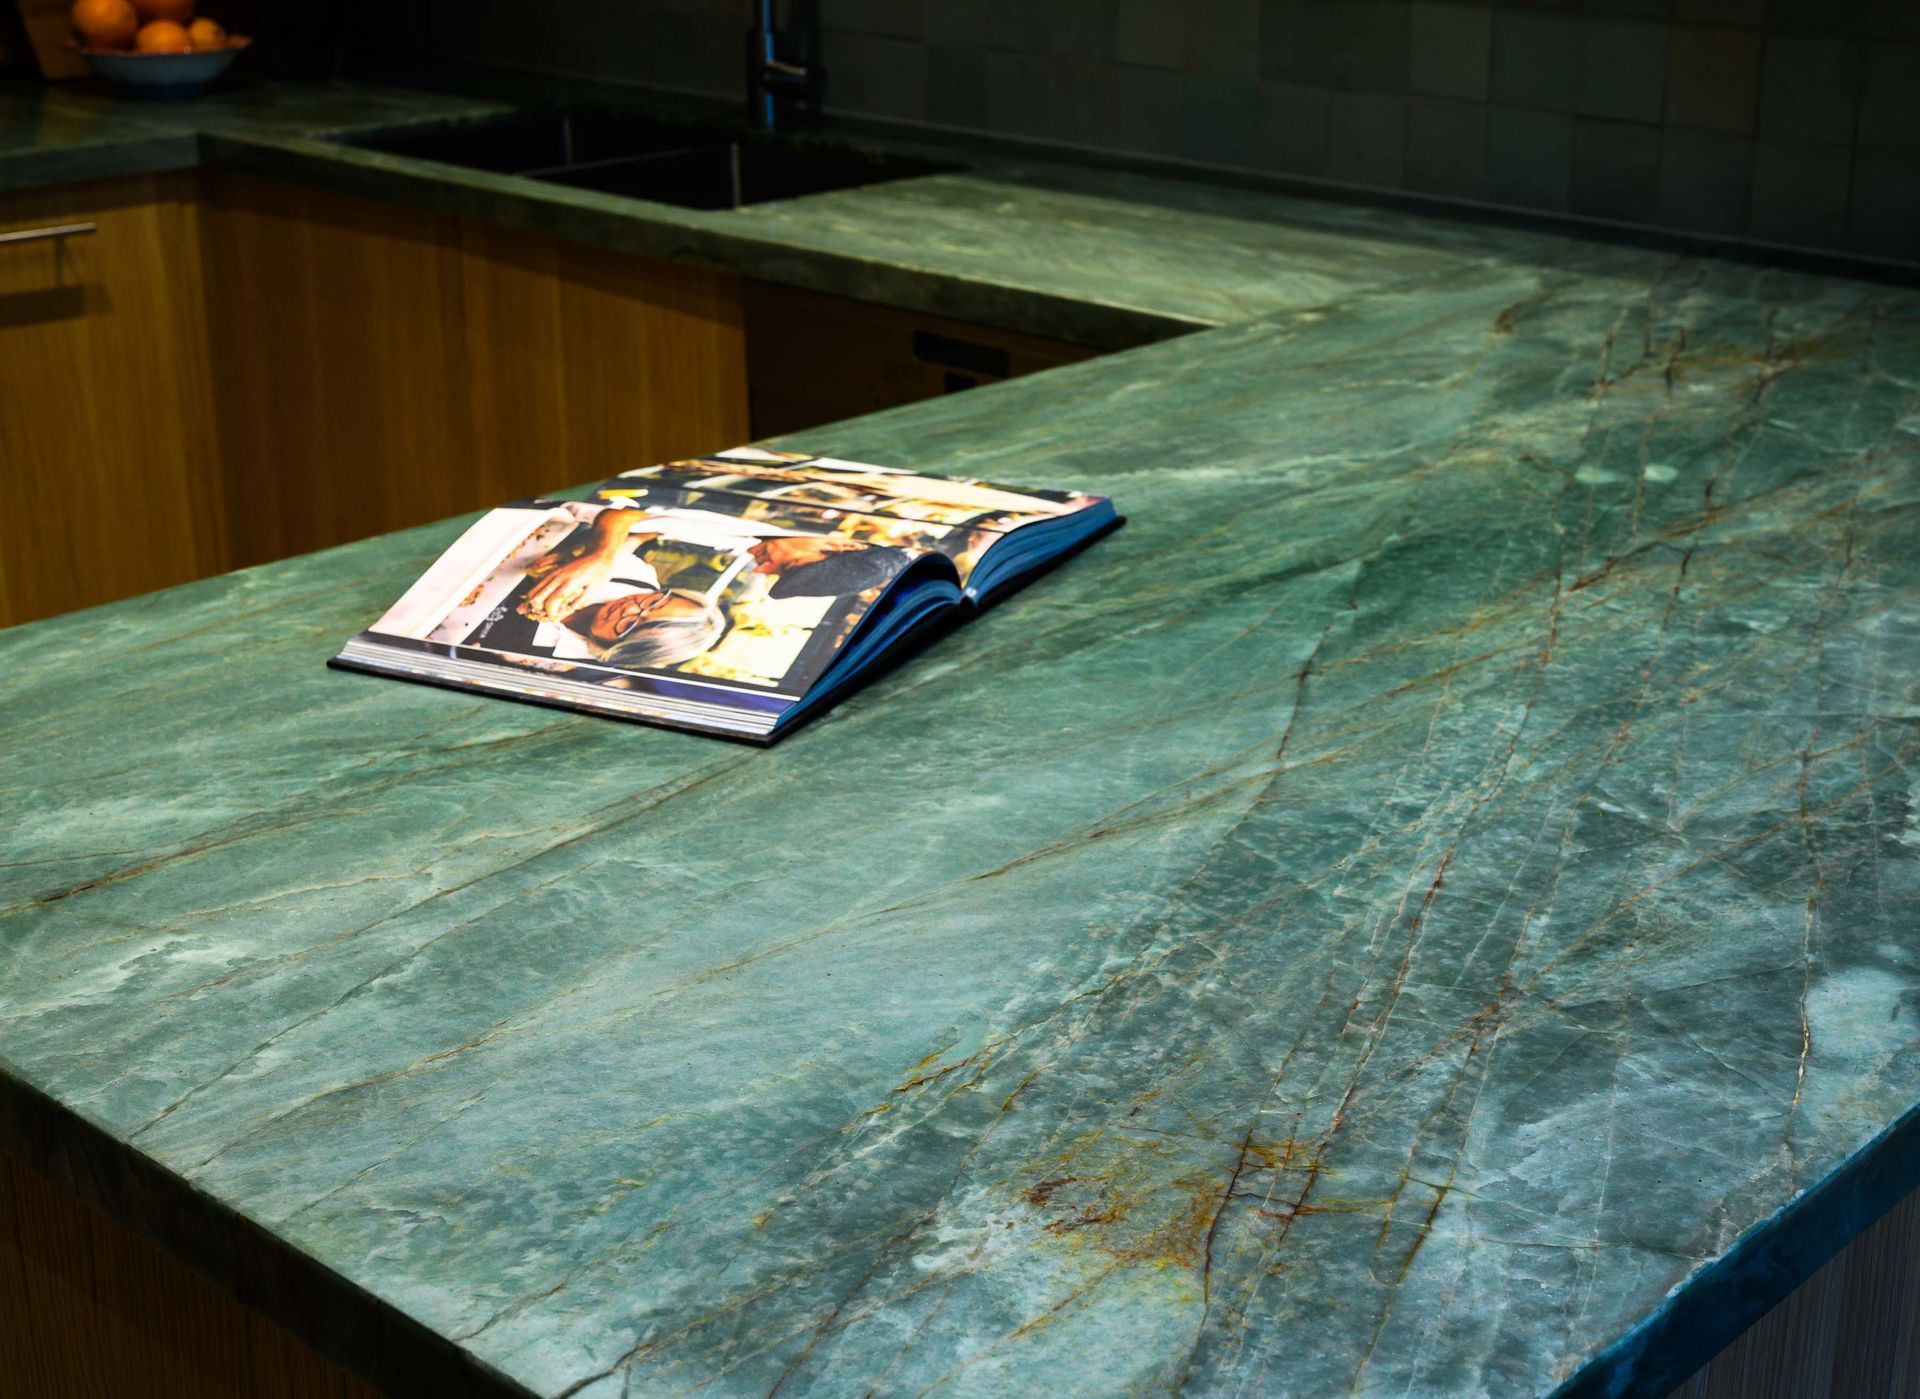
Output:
x=697 y=167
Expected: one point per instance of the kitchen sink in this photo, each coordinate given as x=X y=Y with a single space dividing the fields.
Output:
x=696 y=167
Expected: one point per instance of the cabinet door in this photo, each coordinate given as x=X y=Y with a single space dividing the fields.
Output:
x=382 y=366
x=814 y=358
x=584 y=361
x=108 y=481
x=335 y=332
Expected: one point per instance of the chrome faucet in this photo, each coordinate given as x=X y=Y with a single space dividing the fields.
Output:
x=784 y=77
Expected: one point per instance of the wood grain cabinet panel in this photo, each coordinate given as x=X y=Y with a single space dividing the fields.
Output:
x=109 y=478
x=584 y=362
x=337 y=366
x=814 y=358
x=378 y=366
x=90 y=1310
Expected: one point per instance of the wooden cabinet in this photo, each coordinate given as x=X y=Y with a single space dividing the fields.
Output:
x=227 y=371
x=230 y=370
x=377 y=366
x=108 y=476
x=90 y=1310
x=813 y=358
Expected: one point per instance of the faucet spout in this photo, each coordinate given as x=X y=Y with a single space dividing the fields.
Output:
x=784 y=77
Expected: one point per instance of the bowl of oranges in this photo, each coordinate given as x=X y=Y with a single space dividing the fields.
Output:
x=155 y=48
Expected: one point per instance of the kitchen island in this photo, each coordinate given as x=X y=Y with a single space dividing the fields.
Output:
x=1426 y=908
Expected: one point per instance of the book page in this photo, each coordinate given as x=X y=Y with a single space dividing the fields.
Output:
x=660 y=582
x=961 y=518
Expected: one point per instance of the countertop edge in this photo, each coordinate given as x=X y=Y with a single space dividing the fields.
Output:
x=703 y=238
x=361 y=1332
x=150 y=154
x=333 y=1315
x=1711 y=1309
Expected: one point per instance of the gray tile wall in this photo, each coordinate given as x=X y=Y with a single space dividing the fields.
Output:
x=1792 y=121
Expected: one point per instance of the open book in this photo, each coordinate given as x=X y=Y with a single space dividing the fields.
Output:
x=735 y=594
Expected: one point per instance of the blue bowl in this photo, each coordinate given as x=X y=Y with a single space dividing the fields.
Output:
x=163 y=74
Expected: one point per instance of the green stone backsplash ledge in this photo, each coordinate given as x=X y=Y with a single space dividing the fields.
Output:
x=85 y=131
x=1437 y=881
x=1109 y=258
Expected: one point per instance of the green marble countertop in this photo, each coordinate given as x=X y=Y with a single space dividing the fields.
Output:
x=1426 y=908
x=86 y=130
x=1103 y=256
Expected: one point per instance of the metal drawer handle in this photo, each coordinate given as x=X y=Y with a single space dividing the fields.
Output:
x=56 y=230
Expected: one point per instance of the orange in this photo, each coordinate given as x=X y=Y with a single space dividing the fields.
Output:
x=205 y=34
x=179 y=11
x=104 y=24
x=162 y=36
